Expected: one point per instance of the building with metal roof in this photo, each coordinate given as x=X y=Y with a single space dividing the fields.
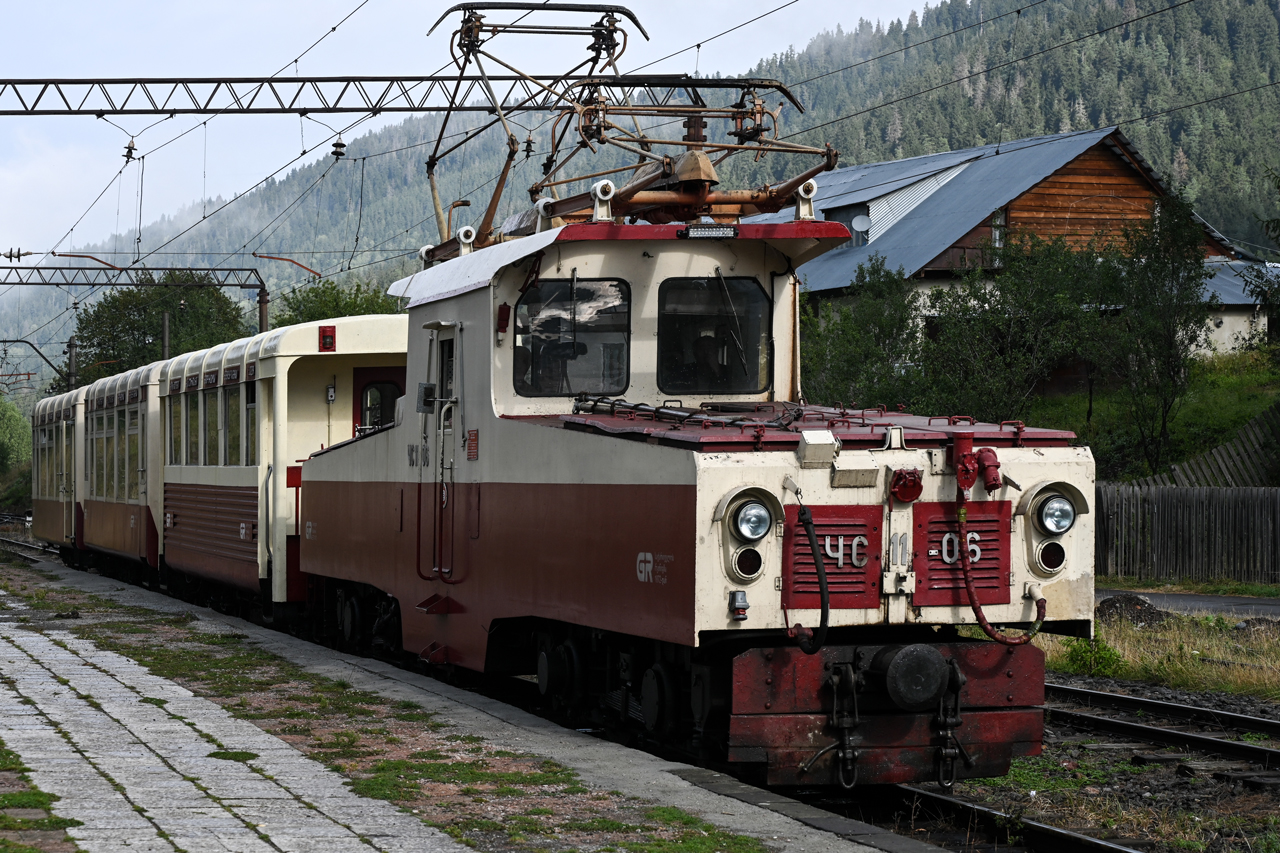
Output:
x=930 y=215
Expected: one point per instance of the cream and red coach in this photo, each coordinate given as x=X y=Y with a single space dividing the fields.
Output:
x=189 y=467
x=649 y=562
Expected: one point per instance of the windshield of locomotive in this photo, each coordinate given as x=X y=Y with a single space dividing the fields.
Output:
x=713 y=336
x=573 y=335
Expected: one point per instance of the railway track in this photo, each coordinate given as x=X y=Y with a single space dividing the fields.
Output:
x=45 y=550
x=1212 y=744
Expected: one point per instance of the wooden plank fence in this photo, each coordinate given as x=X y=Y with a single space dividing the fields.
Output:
x=1252 y=458
x=1193 y=533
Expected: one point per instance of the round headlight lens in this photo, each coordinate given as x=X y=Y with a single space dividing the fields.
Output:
x=752 y=521
x=1057 y=515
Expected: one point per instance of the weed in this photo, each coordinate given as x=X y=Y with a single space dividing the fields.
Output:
x=233 y=755
x=508 y=791
x=430 y=755
x=9 y=760
x=532 y=826
x=464 y=739
x=540 y=811
x=27 y=800
x=600 y=824
x=159 y=703
x=1183 y=652
x=1093 y=657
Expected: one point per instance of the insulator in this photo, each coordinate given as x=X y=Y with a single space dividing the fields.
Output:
x=339 y=149
x=128 y=151
x=528 y=147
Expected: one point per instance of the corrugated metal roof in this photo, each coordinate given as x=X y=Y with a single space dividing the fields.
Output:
x=1227 y=283
x=990 y=180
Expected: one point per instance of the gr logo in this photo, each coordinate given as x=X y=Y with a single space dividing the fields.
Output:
x=644 y=567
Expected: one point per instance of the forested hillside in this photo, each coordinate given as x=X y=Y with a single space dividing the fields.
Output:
x=1217 y=152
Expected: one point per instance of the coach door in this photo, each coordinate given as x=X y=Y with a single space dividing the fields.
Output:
x=447 y=424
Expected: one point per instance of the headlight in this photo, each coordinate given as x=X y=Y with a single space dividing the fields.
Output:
x=1056 y=515
x=752 y=521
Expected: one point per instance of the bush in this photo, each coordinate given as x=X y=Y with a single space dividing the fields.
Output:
x=1093 y=657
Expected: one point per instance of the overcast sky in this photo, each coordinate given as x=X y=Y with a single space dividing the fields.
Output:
x=51 y=169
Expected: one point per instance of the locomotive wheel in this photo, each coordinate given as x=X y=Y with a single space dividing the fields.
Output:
x=657 y=699
x=351 y=621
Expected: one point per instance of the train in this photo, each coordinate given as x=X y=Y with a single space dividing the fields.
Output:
x=583 y=457
x=814 y=595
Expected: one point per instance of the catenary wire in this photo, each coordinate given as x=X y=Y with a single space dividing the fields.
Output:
x=699 y=45
x=957 y=31
x=987 y=70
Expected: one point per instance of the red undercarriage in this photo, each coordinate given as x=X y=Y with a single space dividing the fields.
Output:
x=786 y=711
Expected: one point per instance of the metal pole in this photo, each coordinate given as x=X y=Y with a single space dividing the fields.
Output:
x=72 y=375
x=263 y=301
x=164 y=338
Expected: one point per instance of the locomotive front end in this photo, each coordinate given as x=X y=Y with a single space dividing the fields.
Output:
x=860 y=578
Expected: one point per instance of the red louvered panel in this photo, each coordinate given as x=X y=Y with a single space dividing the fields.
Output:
x=847 y=535
x=939 y=578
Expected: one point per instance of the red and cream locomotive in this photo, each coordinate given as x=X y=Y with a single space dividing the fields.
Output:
x=587 y=460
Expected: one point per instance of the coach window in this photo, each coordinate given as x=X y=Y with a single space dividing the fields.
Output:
x=133 y=458
x=192 y=427
x=122 y=456
x=68 y=459
x=211 y=427
x=251 y=423
x=99 y=456
x=572 y=336
x=42 y=463
x=175 y=429
x=231 y=417
x=713 y=336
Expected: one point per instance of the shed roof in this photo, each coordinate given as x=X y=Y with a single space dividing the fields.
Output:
x=1228 y=283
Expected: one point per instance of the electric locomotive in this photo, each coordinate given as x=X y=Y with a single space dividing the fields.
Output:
x=716 y=564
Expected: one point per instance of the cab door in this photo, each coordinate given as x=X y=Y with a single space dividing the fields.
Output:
x=442 y=451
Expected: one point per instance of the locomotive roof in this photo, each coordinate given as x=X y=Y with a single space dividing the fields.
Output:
x=760 y=429
x=799 y=240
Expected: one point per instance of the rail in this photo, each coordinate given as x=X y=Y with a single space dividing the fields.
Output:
x=1252 y=753
x=1028 y=834
x=1170 y=710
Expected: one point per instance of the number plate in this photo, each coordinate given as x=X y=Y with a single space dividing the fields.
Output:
x=939 y=578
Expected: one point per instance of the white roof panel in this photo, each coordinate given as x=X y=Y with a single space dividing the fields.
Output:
x=470 y=271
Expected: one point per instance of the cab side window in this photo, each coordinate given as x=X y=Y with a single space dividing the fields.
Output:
x=378 y=405
x=573 y=336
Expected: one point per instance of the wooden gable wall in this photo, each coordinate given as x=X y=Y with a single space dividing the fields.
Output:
x=1098 y=193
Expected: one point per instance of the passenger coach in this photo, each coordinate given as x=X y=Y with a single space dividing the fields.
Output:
x=189 y=467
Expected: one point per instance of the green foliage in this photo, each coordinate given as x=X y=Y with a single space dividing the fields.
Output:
x=1093 y=657
x=123 y=328
x=16 y=492
x=861 y=347
x=997 y=333
x=1149 y=345
x=328 y=299
x=15 y=437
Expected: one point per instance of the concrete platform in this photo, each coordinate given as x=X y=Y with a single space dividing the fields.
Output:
x=125 y=768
